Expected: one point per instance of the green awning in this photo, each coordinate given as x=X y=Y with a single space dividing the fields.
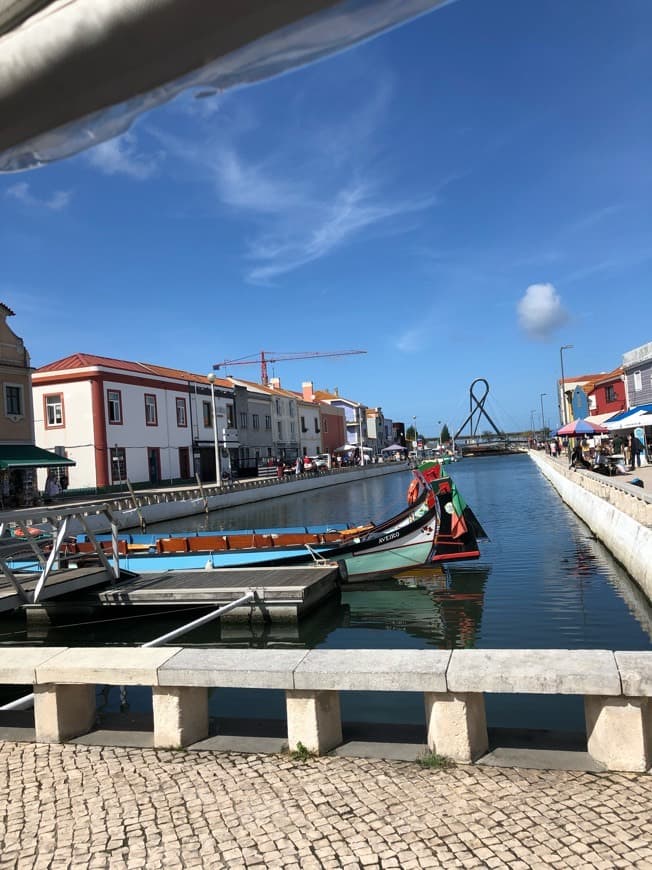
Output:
x=28 y=456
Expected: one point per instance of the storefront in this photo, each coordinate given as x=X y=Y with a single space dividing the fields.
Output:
x=18 y=464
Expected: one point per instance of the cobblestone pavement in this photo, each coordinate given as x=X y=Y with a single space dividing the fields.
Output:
x=93 y=807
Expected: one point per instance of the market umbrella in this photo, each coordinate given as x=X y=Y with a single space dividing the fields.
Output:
x=394 y=447
x=582 y=427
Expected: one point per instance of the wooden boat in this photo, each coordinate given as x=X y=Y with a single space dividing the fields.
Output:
x=403 y=541
x=459 y=528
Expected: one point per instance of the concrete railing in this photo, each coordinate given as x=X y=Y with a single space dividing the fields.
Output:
x=617 y=690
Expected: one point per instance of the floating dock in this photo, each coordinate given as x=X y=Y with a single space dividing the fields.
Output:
x=280 y=593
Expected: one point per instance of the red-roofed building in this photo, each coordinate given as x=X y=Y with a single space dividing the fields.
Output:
x=122 y=420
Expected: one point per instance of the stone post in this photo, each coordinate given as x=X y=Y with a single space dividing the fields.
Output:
x=180 y=715
x=314 y=720
x=63 y=711
x=619 y=731
x=457 y=725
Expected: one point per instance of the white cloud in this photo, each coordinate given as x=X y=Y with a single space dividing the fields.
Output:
x=22 y=193
x=540 y=311
x=120 y=156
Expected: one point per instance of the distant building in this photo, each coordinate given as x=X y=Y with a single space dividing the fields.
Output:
x=19 y=456
x=606 y=395
x=637 y=368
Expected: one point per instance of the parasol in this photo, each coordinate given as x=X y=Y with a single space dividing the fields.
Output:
x=582 y=427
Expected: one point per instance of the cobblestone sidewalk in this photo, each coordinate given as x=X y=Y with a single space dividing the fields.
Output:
x=88 y=807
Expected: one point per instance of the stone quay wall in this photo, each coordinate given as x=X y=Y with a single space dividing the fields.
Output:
x=619 y=514
x=616 y=686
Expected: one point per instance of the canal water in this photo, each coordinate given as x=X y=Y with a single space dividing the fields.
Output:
x=542 y=581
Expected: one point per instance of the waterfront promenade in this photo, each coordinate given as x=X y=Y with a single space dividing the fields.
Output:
x=67 y=806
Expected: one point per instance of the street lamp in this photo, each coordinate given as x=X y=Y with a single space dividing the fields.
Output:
x=361 y=441
x=414 y=427
x=218 y=471
x=541 y=395
x=563 y=392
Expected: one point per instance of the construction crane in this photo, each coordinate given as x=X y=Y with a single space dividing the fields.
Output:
x=271 y=356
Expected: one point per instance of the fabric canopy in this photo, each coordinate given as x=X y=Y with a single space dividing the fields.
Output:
x=637 y=418
x=393 y=447
x=582 y=427
x=28 y=456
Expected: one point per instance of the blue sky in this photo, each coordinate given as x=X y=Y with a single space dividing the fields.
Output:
x=458 y=197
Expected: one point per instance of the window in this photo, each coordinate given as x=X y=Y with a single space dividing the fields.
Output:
x=292 y=427
x=278 y=406
x=230 y=416
x=114 y=401
x=53 y=411
x=255 y=421
x=182 y=419
x=317 y=429
x=13 y=400
x=151 y=414
x=118 y=464
x=610 y=394
x=638 y=382
x=268 y=421
x=325 y=424
x=304 y=428
x=208 y=416
x=243 y=419
x=280 y=430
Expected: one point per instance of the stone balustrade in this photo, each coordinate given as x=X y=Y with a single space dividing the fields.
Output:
x=616 y=686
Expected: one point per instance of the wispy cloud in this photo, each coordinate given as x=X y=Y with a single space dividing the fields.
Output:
x=22 y=193
x=596 y=216
x=304 y=193
x=121 y=157
x=540 y=311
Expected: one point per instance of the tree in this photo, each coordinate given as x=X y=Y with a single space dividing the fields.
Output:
x=411 y=434
x=445 y=436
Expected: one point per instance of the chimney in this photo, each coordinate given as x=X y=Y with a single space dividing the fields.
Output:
x=275 y=383
x=308 y=391
x=336 y=391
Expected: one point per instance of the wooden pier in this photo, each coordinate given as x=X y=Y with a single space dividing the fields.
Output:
x=280 y=593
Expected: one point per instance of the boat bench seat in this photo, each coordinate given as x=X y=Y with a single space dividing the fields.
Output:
x=207 y=544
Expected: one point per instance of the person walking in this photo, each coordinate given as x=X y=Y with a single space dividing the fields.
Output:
x=635 y=449
x=298 y=466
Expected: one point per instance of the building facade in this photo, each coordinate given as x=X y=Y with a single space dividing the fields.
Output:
x=637 y=369
x=121 y=420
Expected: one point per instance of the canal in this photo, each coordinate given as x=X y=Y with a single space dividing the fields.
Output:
x=542 y=581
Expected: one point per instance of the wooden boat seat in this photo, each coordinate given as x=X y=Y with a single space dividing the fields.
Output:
x=86 y=548
x=241 y=542
x=207 y=544
x=356 y=531
x=172 y=545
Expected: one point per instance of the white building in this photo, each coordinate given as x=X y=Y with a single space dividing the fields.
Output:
x=122 y=420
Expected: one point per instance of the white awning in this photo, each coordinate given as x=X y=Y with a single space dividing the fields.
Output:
x=640 y=418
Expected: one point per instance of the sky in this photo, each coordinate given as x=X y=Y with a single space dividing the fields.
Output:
x=458 y=197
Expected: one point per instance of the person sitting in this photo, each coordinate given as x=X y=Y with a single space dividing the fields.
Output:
x=578 y=459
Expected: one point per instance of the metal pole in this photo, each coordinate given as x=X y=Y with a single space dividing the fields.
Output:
x=563 y=392
x=201 y=621
x=541 y=395
x=218 y=470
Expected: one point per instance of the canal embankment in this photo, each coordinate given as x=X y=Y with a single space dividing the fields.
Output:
x=138 y=509
x=618 y=512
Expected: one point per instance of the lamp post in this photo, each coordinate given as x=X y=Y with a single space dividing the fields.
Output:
x=541 y=395
x=218 y=471
x=414 y=427
x=361 y=442
x=563 y=393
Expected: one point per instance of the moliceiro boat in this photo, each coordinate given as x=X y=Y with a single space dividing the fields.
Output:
x=370 y=550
